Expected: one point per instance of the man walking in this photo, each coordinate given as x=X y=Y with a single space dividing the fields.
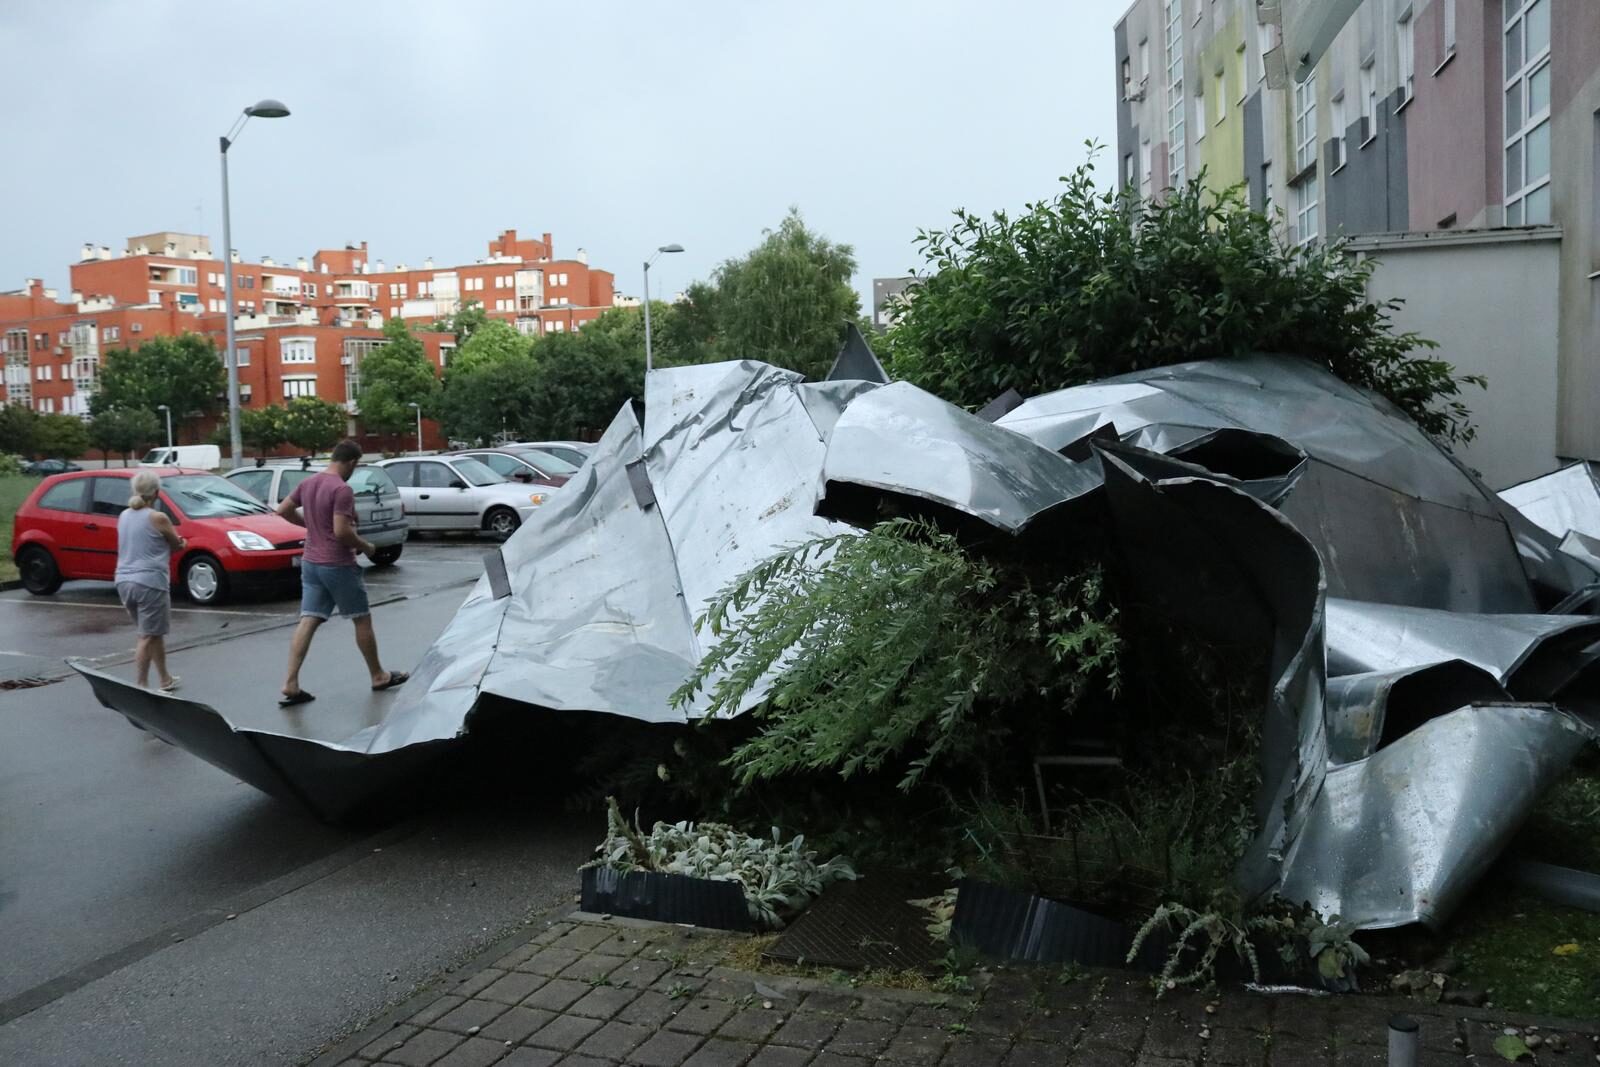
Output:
x=330 y=577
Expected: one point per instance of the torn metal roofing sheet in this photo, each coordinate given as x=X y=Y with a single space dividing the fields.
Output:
x=1563 y=500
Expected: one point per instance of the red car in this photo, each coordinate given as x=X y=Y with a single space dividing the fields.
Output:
x=67 y=528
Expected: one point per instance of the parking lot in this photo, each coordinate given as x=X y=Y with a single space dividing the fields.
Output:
x=84 y=619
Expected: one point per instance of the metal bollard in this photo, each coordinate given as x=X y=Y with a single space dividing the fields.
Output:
x=1403 y=1038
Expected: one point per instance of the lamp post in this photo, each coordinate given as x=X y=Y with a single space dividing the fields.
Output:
x=264 y=109
x=648 y=363
x=418 y=409
x=168 y=410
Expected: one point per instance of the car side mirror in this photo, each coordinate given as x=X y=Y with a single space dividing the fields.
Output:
x=457 y=483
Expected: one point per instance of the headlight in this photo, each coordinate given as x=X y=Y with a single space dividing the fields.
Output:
x=536 y=498
x=246 y=541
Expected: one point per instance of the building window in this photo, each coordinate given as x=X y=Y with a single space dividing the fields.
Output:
x=1405 y=47
x=1127 y=79
x=299 y=386
x=111 y=333
x=137 y=327
x=446 y=351
x=1221 y=85
x=1449 y=28
x=298 y=350
x=1175 y=103
x=1264 y=43
x=1369 y=102
x=241 y=356
x=188 y=276
x=1129 y=177
x=1144 y=62
x=154 y=295
x=1305 y=161
x=1339 y=138
x=1527 y=112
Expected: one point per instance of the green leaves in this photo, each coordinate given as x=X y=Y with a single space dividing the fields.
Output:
x=313 y=424
x=1089 y=285
x=183 y=372
x=124 y=430
x=394 y=377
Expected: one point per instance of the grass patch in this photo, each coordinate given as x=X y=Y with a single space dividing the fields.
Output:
x=14 y=489
x=746 y=955
x=1507 y=947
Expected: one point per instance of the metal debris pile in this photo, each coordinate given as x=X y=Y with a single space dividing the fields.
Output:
x=1431 y=645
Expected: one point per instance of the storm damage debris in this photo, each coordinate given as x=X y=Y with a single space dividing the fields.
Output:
x=1423 y=633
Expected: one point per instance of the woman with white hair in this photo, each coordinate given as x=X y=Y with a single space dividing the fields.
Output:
x=146 y=540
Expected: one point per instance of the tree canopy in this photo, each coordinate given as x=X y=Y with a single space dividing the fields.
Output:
x=124 y=431
x=183 y=372
x=60 y=435
x=1090 y=284
x=586 y=377
x=464 y=322
x=263 y=429
x=19 y=426
x=490 y=386
x=394 y=377
x=313 y=424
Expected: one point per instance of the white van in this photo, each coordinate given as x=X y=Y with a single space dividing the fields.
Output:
x=205 y=457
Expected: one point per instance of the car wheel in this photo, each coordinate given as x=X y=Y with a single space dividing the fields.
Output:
x=204 y=580
x=40 y=575
x=501 y=522
x=386 y=555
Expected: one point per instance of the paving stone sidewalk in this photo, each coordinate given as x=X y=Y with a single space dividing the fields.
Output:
x=588 y=991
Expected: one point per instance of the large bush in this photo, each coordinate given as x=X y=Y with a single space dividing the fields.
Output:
x=1092 y=284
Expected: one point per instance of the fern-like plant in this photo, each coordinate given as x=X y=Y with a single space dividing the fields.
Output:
x=898 y=647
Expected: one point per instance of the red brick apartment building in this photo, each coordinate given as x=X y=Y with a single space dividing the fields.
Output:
x=301 y=329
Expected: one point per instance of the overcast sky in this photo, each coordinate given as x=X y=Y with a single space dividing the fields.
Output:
x=426 y=128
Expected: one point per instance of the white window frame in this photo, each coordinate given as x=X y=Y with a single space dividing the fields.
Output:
x=1147 y=164
x=241 y=356
x=295 y=385
x=297 y=351
x=1520 y=78
x=1369 y=101
x=1449 y=30
x=1220 y=82
x=1264 y=44
x=188 y=276
x=1406 y=52
x=1305 y=227
x=1177 y=149
x=1337 y=114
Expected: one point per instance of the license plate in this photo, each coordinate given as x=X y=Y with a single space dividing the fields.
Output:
x=295 y=561
x=382 y=515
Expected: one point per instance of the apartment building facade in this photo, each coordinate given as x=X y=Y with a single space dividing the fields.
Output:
x=1456 y=140
x=301 y=329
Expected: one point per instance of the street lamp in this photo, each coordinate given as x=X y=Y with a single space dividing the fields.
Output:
x=168 y=410
x=418 y=409
x=264 y=109
x=652 y=259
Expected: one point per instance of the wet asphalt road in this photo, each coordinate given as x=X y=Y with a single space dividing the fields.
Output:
x=122 y=858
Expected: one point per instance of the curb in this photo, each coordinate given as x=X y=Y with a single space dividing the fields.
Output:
x=10 y=584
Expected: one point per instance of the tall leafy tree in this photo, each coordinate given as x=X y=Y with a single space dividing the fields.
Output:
x=66 y=436
x=394 y=377
x=124 y=431
x=263 y=429
x=313 y=424
x=583 y=379
x=19 y=428
x=183 y=372
x=489 y=386
x=787 y=301
x=467 y=320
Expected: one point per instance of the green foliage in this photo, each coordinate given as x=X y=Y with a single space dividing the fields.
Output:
x=124 y=430
x=1089 y=284
x=898 y=646
x=19 y=427
x=183 y=372
x=584 y=378
x=466 y=321
x=313 y=424
x=394 y=377
x=264 y=428
x=10 y=464
x=787 y=301
x=489 y=386
x=61 y=435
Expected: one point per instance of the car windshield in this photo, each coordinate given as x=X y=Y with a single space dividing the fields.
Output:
x=158 y=455
x=206 y=496
x=548 y=462
x=475 y=472
x=374 y=480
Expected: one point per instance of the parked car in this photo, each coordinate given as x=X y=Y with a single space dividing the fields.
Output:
x=521 y=465
x=380 y=515
x=67 y=528
x=574 y=452
x=202 y=457
x=460 y=493
x=44 y=467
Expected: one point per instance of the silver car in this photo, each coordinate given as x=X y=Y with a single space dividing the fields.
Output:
x=380 y=516
x=459 y=493
x=574 y=452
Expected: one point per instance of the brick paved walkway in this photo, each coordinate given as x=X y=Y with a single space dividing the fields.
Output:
x=587 y=992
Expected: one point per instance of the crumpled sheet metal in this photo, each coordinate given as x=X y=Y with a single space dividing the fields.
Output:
x=1563 y=500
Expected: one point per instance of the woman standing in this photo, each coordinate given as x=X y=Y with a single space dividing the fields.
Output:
x=145 y=543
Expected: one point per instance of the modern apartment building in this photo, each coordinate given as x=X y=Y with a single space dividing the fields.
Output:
x=301 y=328
x=1456 y=140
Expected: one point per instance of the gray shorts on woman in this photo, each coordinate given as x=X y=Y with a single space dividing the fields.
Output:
x=151 y=608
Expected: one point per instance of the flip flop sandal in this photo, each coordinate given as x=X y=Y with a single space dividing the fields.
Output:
x=172 y=686
x=395 y=678
x=302 y=697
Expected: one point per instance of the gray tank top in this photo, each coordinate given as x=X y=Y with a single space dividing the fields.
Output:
x=143 y=556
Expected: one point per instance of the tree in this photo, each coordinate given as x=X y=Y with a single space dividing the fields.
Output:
x=19 y=428
x=313 y=424
x=263 y=429
x=787 y=301
x=489 y=386
x=123 y=430
x=394 y=377
x=583 y=379
x=183 y=372
x=61 y=435
x=1092 y=284
x=467 y=320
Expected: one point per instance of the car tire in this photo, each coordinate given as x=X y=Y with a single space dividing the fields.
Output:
x=386 y=556
x=204 y=580
x=501 y=522
x=40 y=575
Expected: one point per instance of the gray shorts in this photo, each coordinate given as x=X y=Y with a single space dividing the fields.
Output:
x=151 y=608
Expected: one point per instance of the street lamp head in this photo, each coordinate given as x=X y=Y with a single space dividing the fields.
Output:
x=268 y=109
x=414 y=404
x=162 y=407
x=670 y=248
